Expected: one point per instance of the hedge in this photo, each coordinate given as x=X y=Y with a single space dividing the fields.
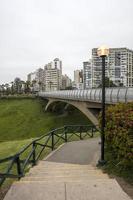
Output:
x=119 y=133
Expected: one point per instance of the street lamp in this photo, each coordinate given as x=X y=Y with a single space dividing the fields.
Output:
x=103 y=52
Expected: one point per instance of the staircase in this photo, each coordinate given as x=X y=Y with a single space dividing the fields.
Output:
x=62 y=181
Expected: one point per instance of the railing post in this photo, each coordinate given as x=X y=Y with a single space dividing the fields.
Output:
x=92 y=132
x=19 y=170
x=81 y=128
x=52 y=145
x=65 y=130
x=34 y=153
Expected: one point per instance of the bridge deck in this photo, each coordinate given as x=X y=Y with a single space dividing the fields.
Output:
x=112 y=95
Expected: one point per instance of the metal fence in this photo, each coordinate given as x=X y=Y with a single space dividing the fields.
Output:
x=113 y=95
x=16 y=165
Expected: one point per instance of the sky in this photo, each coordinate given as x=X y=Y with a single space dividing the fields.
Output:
x=34 y=32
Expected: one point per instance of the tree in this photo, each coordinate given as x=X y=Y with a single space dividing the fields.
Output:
x=7 y=89
x=17 y=85
x=27 y=87
x=40 y=85
x=12 y=87
x=108 y=83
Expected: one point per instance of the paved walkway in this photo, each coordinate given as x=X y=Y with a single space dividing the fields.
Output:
x=78 y=152
x=69 y=173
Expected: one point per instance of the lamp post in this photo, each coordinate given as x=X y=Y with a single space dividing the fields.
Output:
x=103 y=52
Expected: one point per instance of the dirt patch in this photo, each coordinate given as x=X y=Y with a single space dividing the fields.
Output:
x=3 y=191
x=128 y=188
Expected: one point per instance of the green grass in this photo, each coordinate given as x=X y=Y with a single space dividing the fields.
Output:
x=24 y=119
x=12 y=147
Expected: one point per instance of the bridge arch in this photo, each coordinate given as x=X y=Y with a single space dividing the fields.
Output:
x=82 y=106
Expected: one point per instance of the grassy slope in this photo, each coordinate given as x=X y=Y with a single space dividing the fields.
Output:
x=25 y=118
x=22 y=120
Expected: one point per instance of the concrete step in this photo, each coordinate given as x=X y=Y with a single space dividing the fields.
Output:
x=56 y=181
x=69 y=166
x=106 y=189
x=61 y=170
x=64 y=173
x=64 y=166
x=63 y=178
x=56 y=164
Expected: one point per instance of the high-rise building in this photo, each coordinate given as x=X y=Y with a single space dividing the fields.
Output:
x=66 y=82
x=39 y=75
x=31 y=77
x=87 y=74
x=36 y=79
x=53 y=75
x=119 y=67
x=78 y=79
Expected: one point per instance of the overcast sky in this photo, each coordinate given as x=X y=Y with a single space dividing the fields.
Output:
x=34 y=32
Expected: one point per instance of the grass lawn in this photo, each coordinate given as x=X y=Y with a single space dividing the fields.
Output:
x=24 y=119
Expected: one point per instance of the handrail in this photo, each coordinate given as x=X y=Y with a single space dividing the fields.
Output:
x=52 y=138
x=112 y=95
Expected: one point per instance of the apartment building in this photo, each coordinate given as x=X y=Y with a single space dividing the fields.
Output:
x=53 y=75
x=78 y=79
x=66 y=82
x=87 y=74
x=36 y=79
x=119 y=67
x=31 y=76
x=39 y=75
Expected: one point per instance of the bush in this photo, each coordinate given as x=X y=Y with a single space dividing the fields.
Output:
x=119 y=133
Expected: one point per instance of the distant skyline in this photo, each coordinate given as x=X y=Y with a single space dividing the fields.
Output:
x=34 y=32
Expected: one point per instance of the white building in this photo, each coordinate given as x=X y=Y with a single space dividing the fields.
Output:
x=78 y=79
x=39 y=79
x=31 y=77
x=53 y=75
x=36 y=79
x=66 y=82
x=87 y=74
x=119 y=67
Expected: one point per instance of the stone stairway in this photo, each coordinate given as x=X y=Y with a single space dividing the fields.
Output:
x=64 y=181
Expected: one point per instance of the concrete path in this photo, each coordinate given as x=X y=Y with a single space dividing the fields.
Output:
x=69 y=173
x=78 y=152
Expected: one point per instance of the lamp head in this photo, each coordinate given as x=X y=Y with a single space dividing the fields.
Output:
x=103 y=51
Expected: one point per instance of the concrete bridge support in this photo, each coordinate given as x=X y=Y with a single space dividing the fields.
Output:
x=88 y=110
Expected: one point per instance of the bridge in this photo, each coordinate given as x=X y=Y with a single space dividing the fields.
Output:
x=89 y=101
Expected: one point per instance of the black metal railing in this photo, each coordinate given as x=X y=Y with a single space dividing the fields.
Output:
x=18 y=164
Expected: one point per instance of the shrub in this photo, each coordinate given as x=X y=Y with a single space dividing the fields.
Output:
x=119 y=133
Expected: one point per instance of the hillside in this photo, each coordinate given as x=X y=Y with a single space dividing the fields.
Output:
x=22 y=119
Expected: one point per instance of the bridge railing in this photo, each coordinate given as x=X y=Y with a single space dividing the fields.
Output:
x=16 y=166
x=112 y=95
